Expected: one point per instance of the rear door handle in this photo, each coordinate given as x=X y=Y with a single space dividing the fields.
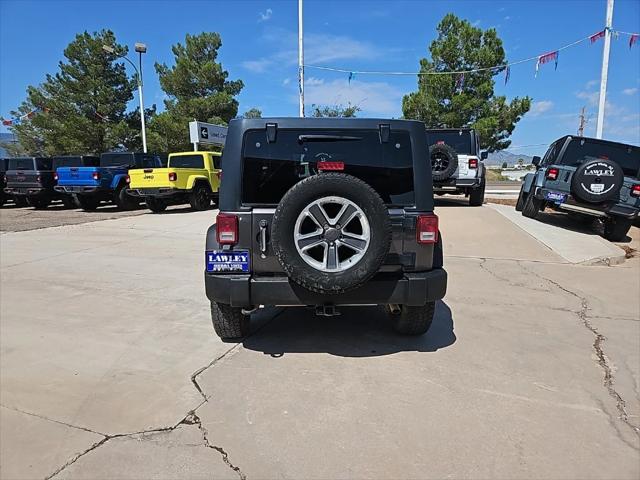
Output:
x=263 y=236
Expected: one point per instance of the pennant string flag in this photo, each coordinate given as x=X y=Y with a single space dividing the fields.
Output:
x=594 y=38
x=633 y=39
x=507 y=74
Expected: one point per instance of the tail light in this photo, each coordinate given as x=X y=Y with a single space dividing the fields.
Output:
x=173 y=176
x=473 y=163
x=127 y=179
x=427 y=229
x=227 y=229
x=219 y=174
x=635 y=190
x=38 y=179
x=95 y=175
x=55 y=177
x=552 y=173
x=330 y=166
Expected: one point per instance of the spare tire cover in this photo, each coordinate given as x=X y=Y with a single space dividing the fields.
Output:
x=597 y=181
x=444 y=161
x=331 y=232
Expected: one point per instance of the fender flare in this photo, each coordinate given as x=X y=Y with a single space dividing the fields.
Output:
x=117 y=179
x=529 y=181
x=196 y=178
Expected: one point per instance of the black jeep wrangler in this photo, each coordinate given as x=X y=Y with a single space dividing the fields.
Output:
x=325 y=212
x=30 y=180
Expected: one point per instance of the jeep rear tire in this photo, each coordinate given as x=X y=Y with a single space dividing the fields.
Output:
x=229 y=322
x=39 y=203
x=597 y=181
x=413 y=320
x=531 y=205
x=69 y=202
x=616 y=228
x=444 y=161
x=88 y=203
x=200 y=199
x=124 y=201
x=20 y=201
x=156 y=205
x=331 y=232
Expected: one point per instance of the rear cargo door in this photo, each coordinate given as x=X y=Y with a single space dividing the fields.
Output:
x=71 y=176
x=149 y=178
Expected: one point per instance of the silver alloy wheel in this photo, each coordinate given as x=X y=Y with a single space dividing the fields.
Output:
x=332 y=234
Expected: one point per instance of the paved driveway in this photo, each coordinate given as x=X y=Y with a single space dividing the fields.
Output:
x=109 y=367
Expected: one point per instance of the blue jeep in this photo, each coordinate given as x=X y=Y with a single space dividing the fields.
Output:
x=586 y=177
x=106 y=182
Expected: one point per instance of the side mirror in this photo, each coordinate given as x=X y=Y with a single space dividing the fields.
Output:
x=484 y=155
x=536 y=160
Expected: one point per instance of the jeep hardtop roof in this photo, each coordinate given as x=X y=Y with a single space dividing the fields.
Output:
x=235 y=149
x=29 y=163
x=625 y=154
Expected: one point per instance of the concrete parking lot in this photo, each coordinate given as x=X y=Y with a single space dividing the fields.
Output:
x=109 y=367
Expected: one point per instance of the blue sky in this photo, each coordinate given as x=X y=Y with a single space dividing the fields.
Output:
x=260 y=42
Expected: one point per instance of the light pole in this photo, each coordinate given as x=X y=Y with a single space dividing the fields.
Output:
x=300 y=61
x=605 y=70
x=140 y=48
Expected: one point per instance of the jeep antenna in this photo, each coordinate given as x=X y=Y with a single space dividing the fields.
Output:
x=300 y=60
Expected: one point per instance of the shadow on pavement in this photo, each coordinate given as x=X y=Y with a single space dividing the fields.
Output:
x=358 y=332
x=575 y=223
x=451 y=201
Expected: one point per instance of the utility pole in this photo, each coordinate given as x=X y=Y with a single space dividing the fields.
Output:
x=583 y=122
x=605 y=69
x=300 y=60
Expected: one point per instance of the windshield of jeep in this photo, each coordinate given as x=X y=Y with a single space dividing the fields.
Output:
x=186 y=161
x=459 y=140
x=116 y=159
x=582 y=150
x=28 y=164
x=271 y=169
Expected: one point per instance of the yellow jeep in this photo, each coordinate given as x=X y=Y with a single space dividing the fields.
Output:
x=189 y=177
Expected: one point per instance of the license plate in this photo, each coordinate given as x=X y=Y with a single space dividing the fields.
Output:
x=227 y=261
x=555 y=197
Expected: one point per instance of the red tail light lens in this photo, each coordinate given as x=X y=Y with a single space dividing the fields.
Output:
x=330 y=166
x=219 y=175
x=427 y=229
x=173 y=176
x=127 y=179
x=473 y=163
x=552 y=173
x=95 y=175
x=227 y=229
x=635 y=190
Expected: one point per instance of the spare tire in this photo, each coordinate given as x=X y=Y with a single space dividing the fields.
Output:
x=444 y=161
x=597 y=181
x=331 y=232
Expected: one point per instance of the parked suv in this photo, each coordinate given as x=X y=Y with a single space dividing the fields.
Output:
x=456 y=163
x=31 y=180
x=587 y=177
x=3 y=168
x=325 y=212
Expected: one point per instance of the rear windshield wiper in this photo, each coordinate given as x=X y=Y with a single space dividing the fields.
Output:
x=326 y=138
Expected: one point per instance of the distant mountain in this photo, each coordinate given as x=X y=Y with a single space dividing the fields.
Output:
x=498 y=158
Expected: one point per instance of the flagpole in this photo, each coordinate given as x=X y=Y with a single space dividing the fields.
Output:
x=605 y=69
x=300 y=60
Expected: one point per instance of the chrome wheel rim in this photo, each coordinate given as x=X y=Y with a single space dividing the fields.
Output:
x=332 y=234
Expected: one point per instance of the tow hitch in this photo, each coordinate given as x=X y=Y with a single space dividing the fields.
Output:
x=327 y=311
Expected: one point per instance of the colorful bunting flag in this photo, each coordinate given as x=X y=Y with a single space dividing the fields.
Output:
x=460 y=82
x=633 y=39
x=594 y=38
x=507 y=74
x=351 y=77
x=546 y=58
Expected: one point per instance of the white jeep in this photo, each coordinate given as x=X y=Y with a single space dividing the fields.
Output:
x=456 y=163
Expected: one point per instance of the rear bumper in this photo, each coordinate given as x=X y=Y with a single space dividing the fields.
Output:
x=26 y=191
x=79 y=189
x=164 y=192
x=453 y=184
x=591 y=209
x=247 y=291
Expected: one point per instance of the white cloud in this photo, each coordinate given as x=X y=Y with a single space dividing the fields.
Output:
x=257 y=66
x=476 y=23
x=538 y=108
x=630 y=91
x=591 y=83
x=313 y=81
x=507 y=18
x=286 y=81
x=266 y=15
x=591 y=97
x=374 y=98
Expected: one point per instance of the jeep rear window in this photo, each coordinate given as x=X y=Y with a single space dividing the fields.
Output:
x=186 y=161
x=270 y=169
x=116 y=159
x=74 y=162
x=581 y=150
x=459 y=140
x=21 y=164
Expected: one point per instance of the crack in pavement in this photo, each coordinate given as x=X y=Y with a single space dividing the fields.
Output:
x=609 y=379
x=52 y=420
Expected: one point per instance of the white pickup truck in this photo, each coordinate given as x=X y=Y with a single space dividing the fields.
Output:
x=456 y=163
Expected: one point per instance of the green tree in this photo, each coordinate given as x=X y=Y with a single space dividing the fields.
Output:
x=347 y=111
x=456 y=101
x=80 y=109
x=197 y=88
x=252 y=113
x=504 y=165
